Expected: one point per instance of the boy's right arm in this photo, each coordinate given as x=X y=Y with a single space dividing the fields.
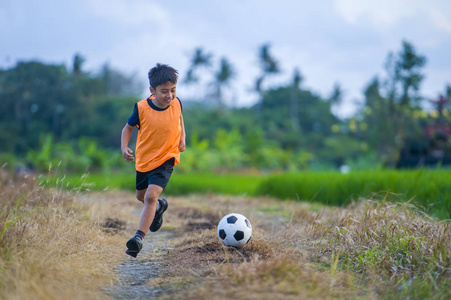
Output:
x=127 y=153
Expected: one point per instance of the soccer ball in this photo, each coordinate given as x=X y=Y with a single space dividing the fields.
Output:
x=234 y=230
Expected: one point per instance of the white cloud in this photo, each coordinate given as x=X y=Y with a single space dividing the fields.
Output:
x=440 y=20
x=128 y=12
x=381 y=13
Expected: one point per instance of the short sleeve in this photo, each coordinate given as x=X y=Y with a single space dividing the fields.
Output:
x=181 y=106
x=133 y=120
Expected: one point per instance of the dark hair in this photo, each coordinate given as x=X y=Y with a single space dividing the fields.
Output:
x=160 y=74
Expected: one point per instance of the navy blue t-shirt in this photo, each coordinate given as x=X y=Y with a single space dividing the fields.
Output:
x=133 y=120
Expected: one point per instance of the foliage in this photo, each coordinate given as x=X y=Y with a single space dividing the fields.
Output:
x=9 y=161
x=391 y=103
x=290 y=128
x=83 y=156
x=37 y=98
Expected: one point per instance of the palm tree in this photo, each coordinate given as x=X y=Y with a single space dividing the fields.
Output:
x=199 y=59
x=269 y=66
x=268 y=63
x=222 y=79
x=336 y=97
x=78 y=64
x=297 y=80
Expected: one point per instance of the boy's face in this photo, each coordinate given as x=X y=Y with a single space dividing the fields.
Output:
x=164 y=94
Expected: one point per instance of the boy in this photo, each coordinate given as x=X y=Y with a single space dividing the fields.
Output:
x=161 y=138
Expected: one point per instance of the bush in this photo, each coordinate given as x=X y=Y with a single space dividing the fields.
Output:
x=82 y=156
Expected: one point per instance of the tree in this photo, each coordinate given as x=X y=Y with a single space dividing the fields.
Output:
x=297 y=80
x=33 y=96
x=408 y=73
x=222 y=79
x=314 y=118
x=199 y=59
x=380 y=133
x=389 y=108
x=404 y=76
x=268 y=63
x=117 y=83
x=77 y=64
x=269 y=66
x=336 y=96
x=38 y=99
x=448 y=91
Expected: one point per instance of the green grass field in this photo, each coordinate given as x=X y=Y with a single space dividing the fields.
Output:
x=180 y=184
x=430 y=189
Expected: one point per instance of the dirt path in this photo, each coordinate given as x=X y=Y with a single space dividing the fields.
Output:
x=138 y=277
x=185 y=259
x=295 y=251
x=186 y=248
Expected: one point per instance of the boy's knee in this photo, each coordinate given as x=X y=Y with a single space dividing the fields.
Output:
x=152 y=194
x=150 y=198
x=140 y=195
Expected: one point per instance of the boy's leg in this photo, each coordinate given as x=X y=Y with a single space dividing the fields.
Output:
x=134 y=245
x=142 y=183
x=150 y=205
x=149 y=186
x=140 y=194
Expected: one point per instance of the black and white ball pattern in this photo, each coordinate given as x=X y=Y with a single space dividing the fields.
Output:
x=234 y=230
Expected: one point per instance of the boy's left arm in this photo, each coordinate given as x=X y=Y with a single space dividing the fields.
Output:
x=182 y=135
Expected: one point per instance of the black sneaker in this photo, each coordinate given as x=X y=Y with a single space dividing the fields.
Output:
x=158 y=219
x=134 y=245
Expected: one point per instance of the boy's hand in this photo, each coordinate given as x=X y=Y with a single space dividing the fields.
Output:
x=127 y=153
x=182 y=144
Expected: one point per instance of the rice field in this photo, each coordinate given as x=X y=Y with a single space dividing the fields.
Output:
x=429 y=190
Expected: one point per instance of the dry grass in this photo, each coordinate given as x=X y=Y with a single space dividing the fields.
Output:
x=51 y=246
x=58 y=244
x=373 y=249
x=199 y=267
x=394 y=248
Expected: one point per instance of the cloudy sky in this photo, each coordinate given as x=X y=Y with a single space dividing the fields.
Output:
x=329 y=41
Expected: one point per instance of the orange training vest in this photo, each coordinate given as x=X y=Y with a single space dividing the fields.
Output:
x=158 y=136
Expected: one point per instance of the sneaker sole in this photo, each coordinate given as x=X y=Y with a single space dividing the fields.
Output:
x=131 y=253
x=133 y=248
x=158 y=219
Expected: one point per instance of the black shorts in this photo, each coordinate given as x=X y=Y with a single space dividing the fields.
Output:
x=158 y=176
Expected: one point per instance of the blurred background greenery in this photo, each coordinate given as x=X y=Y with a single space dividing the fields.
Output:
x=66 y=115
x=68 y=118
